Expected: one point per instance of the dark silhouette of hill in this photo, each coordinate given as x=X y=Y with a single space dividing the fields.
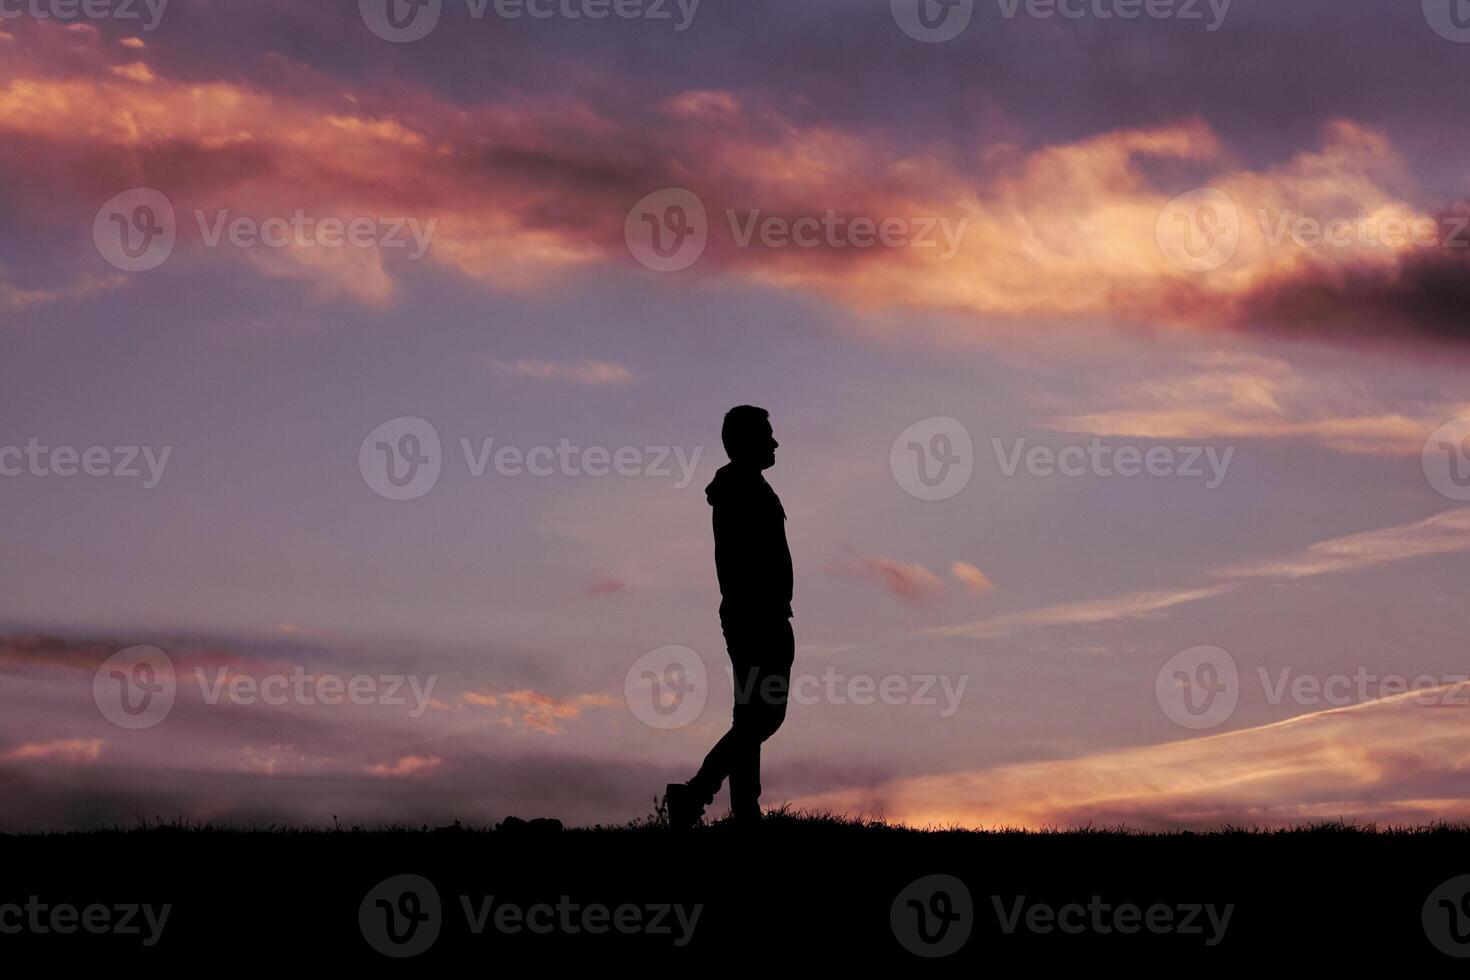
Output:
x=805 y=890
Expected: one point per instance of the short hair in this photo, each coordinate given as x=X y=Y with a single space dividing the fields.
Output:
x=740 y=422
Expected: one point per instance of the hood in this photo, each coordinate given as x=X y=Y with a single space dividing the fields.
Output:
x=730 y=480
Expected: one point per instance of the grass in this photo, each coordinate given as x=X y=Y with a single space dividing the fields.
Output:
x=784 y=819
x=816 y=887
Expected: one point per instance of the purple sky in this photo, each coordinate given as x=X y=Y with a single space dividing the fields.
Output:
x=1316 y=347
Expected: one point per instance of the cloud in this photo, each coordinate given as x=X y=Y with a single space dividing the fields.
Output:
x=18 y=298
x=406 y=766
x=1225 y=395
x=1392 y=760
x=587 y=372
x=1444 y=533
x=912 y=583
x=136 y=71
x=606 y=587
x=539 y=712
x=71 y=751
x=976 y=581
x=527 y=190
x=1136 y=605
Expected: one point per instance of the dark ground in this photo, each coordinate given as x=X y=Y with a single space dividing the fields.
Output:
x=804 y=891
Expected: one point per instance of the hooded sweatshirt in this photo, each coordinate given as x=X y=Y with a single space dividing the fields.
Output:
x=751 y=555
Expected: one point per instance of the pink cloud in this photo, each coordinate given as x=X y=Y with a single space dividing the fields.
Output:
x=606 y=587
x=587 y=372
x=976 y=581
x=1391 y=760
x=912 y=583
x=406 y=766
x=69 y=751
x=526 y=190
x=539 y=712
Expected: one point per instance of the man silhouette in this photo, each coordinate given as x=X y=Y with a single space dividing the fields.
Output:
x=754 y=568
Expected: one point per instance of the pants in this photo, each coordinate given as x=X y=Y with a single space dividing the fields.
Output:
x=761 y=653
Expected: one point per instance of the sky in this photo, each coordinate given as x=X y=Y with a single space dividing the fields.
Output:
x=362 y=367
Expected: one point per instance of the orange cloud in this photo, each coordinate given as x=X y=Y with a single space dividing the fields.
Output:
x=1393 y=760
x=587 y=372
x=912 y=583
x=71 y=751
x=1239 y=396
x=540 y=712
x=406 y=766
x=1444 y=533
x=527 y=189
x=972 y=578
x=1138 y=605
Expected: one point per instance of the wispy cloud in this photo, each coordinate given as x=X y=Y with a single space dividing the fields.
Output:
x=970 y=576
x=1136 y=605
x=406 y=766
x=1238 y=396
x=1390 y=760
x=72 y=751
x=910 y=582
x=587 y=372
x=1441 y=534
x=536 y=711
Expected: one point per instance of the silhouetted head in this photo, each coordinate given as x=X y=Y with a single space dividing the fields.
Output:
x=748 y=438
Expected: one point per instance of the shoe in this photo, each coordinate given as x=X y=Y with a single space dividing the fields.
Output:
x=683 y=806
x=746 y=819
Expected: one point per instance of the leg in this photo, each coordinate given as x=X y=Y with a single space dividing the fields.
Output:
x=762 y=677
x=758 y=716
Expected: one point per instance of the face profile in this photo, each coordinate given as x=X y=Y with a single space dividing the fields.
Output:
x=748 y=437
